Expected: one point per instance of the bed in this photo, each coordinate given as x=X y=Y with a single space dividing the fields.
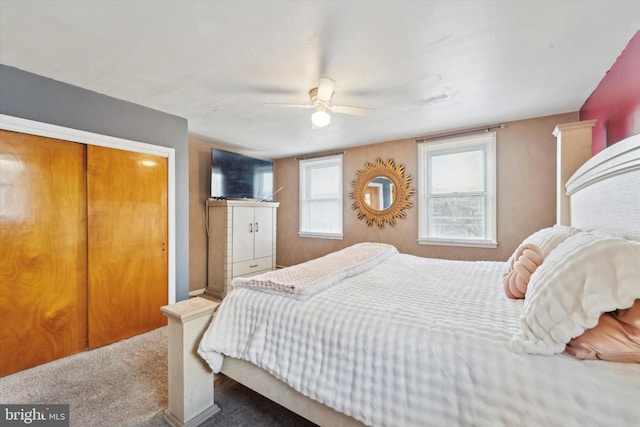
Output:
x=399 y=340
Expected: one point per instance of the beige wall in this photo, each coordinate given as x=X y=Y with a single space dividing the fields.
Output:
x=526 y=154
x=199 y=190
x=526 y=162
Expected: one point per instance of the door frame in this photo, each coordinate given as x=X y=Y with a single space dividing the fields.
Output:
x=18 y=124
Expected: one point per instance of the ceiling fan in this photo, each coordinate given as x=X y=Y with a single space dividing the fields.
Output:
x=320 y=100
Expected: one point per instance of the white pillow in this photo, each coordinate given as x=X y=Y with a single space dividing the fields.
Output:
x=546 y=239
x=586 y=275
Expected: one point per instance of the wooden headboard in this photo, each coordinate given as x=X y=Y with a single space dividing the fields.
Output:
x=605 y=190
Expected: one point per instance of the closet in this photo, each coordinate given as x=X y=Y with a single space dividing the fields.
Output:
x=83 y=256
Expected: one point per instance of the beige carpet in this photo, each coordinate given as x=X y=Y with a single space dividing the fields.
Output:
x=125 y=384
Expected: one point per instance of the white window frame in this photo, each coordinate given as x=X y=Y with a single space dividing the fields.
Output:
x=305 y=166
x=486 y=142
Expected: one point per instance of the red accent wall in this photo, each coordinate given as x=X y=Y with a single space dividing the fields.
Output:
x=615 y=103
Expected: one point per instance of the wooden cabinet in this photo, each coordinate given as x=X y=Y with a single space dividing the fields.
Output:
x=241 y=241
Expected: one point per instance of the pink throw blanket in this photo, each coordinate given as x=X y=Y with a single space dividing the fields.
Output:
x=308 y=278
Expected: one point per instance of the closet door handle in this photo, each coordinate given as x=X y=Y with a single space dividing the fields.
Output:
x=256 y=227
x=250 y=227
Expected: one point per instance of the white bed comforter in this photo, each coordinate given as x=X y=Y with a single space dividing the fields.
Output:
x=419 y=342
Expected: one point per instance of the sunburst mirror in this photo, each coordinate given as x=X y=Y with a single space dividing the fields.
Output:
x=381 y=193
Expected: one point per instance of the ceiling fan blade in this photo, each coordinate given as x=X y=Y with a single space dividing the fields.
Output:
x=354 y=111
x=325 y=89
x=289 y=105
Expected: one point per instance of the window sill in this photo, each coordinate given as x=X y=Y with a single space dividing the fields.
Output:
x=335 y=236
x=462 y=243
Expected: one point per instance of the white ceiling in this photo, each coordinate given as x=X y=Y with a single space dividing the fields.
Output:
x=426 y=66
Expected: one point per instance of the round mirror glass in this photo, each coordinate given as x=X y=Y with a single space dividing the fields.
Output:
x=379 y=193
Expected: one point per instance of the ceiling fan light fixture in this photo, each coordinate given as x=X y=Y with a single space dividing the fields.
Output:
x=320 y=118
x=321 y=101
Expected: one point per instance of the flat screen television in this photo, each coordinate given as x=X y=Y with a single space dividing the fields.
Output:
x=237 y=176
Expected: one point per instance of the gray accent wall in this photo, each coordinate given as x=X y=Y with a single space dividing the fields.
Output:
x=30 y=96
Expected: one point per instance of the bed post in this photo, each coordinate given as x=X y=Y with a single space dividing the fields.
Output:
x=190 y=379
x=573 y=149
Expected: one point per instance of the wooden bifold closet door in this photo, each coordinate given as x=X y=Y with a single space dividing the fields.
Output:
x=43 y=245
x=127 y=238
x=83 y=247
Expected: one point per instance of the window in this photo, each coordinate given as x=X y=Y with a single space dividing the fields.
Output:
x=321 y=197
x=457 y=191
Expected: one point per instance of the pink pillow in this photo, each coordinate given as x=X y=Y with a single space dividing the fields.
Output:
x=524 y=262
x=616 y=338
